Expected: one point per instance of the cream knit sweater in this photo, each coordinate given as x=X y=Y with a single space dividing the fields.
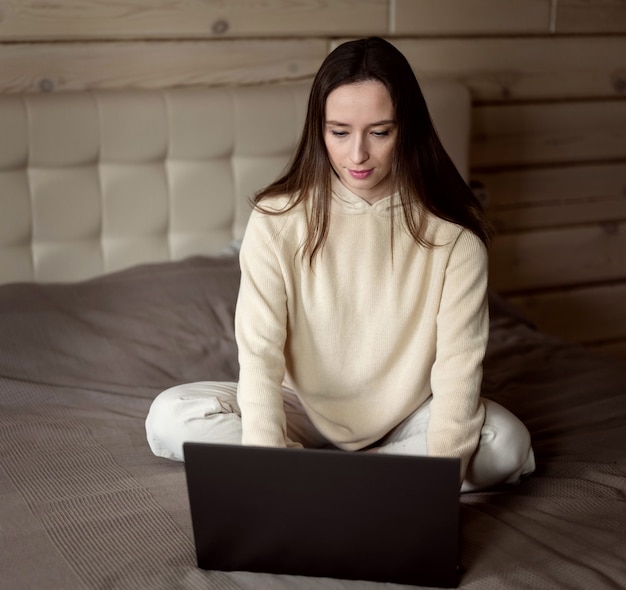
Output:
x=364 y=337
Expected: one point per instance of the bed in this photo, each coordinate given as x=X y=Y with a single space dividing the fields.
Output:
x=121 y=212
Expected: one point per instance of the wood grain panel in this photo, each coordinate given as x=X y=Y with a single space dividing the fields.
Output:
x=140 y=19
x=548 y=197
x=470 y=16
x=590 y=16
x=67 y=66
x=556 y=258
x=586 y=315
x=553 y=133
x=523 y=68
x=493 y=69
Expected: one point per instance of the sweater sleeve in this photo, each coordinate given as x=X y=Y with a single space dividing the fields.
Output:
x=456 y=412
x=260 y=328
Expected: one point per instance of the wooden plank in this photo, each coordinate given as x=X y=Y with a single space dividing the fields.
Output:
x=552 y=133
x=493 y=69
x=548 y=197
x=68 y=66
x=424 y=17
x=524 y=68
x=557 y=258
x=585 y=16
x=30 y=20
x=587 y=315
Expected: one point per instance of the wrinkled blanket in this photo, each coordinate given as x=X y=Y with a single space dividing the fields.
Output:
x=85 y=505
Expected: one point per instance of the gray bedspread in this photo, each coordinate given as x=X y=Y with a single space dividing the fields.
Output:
x=85 y=505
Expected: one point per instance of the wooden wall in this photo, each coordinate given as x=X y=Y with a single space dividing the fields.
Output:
x=548 y=79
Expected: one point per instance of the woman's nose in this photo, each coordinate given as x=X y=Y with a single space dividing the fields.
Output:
x=359 y=152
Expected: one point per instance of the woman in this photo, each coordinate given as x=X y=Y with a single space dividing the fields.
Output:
x=362 y=314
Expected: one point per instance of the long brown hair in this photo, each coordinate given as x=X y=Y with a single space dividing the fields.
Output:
x=422 y=172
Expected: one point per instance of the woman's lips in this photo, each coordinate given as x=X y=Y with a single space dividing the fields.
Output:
x=360 y=174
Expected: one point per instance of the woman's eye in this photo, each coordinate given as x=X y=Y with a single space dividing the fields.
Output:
x=380 y=133
x=337 y=133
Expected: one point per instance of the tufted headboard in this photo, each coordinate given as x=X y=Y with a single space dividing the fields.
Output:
x=93 y=182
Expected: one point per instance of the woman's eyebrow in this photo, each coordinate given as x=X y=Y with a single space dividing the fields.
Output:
x=376 y=124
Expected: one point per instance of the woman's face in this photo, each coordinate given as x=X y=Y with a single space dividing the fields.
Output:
x=360 y=134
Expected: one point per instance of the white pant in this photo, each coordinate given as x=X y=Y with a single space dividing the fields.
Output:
x=207 y=411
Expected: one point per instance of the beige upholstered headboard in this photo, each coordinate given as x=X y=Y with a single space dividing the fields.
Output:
x=93 y=182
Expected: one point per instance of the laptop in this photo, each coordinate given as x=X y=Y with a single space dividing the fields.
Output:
x=325 y=513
